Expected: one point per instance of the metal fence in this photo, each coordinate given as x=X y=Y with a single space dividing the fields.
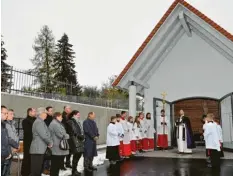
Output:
x=25 y=83
x=19 y=128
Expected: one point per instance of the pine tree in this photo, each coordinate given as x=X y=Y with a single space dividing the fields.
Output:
x=5 y=70
x=44 y=47
x=64 y=66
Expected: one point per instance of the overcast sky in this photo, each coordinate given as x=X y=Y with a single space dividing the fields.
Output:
x=105 y=33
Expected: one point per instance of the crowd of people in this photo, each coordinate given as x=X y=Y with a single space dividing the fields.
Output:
x=49 y=140
x=129 y=136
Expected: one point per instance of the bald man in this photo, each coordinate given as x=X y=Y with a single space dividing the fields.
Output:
x=184 y=134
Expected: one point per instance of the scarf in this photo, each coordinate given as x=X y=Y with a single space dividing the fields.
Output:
x=79 y=122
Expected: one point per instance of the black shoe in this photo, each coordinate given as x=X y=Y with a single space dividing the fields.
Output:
x=93 y=168
x=88 y=170
x=69 y=166
x=76 y=173
x=63 y=168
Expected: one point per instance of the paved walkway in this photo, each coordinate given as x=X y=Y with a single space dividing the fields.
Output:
x=156 y=163
x=198 y=153
x=142 y=166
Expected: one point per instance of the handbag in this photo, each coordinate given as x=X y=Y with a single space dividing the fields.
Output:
x=64 y=145
x=48 y=154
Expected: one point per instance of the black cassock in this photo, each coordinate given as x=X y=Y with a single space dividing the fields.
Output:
x=189 y=132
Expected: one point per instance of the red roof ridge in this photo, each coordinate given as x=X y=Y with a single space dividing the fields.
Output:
x=159 y=24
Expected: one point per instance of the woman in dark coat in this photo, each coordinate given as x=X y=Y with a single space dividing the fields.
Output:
x=76 y=142
x=91 y=136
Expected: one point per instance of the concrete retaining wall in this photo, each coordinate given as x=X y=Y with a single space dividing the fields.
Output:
x=20 y=103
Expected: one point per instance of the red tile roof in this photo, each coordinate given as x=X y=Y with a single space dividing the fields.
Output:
x=162 y=20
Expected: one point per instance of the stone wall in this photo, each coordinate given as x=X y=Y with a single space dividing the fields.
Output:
x=20 y=104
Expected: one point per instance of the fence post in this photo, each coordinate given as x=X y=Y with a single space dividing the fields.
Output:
x=71 y=88
x=19 y=125
x=11 y=77
x=45 y=88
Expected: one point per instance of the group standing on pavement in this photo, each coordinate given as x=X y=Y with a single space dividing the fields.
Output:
x=49 y=139
x=127 y=136
x=9 y=140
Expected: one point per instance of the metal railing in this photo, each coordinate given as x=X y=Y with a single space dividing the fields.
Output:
x=25 y=83
x=18 y=126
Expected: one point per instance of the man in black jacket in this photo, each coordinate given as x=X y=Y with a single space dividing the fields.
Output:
x=6 y=143
x=49 y=118
x=27 y=139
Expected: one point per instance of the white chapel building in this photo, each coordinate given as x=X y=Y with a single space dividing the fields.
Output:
x=186 y=55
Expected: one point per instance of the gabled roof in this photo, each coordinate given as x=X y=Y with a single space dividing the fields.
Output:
x=159 y=24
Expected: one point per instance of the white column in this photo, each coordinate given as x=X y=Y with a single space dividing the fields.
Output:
x=132 y=100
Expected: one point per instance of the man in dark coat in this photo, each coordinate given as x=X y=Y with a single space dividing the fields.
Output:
x=49 y=118
x=65 y=115
x=27 y=139
x=91 y=136
x=6 y=143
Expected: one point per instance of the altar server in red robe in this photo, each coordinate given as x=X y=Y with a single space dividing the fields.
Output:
x=162 y=141
x=144 y=127
x=126 y=139
x=133 y=135
x=137 y=129
x=150 y=132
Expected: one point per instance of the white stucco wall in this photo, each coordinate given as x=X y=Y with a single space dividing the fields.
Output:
x=192 y=68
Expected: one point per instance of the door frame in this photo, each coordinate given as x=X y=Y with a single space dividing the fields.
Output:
x=172 y=117
x=155 y=100
x=220 y=110
x=221 y=99
x=172 y=113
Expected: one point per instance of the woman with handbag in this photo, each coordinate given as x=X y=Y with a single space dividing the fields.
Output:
x=76 y=141
x=60 y=143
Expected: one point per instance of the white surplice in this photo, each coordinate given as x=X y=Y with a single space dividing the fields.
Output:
x=163 y=129
x=220 y=132
x=112 y=135
x=126 y=138
x=144 y=127
x=150 y=129
x=182 y=144
x=138 y=131
x=212 y=137
x=133 y=133
x=120 y=130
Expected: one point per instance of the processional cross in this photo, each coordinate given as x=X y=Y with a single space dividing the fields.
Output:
x=164 y=94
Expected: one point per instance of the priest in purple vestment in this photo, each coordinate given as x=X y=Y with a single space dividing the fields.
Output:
x=184 y=134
